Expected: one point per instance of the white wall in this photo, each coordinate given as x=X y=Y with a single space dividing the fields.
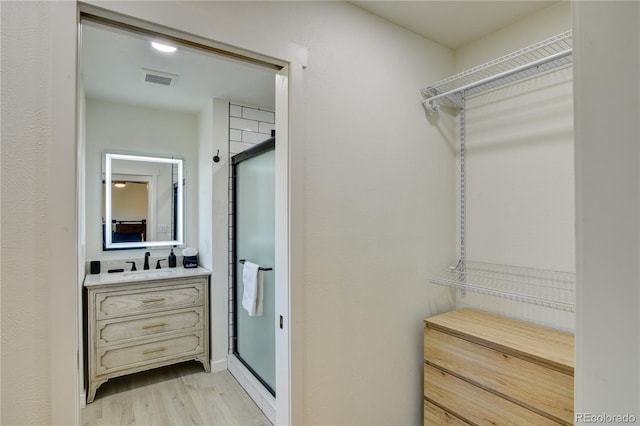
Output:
x=607 y=121
x=538 y=26
x=219 y=216
x=520 y=174
x=205 y=164
x=378 y=212
x=137 y=130
x=81 y=226
x=39 y=256
x=213 y=218
x=370 y=241
x=377 y=215
x=26 y=252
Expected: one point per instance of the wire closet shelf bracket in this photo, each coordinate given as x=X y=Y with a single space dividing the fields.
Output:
x=553 y=289
x=544 y=56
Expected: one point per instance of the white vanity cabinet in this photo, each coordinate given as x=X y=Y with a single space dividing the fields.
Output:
x=141 y=321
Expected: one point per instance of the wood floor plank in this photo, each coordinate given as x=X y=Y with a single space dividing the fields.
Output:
x=181 y=394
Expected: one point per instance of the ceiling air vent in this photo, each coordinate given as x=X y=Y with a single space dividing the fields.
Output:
x=158 y=77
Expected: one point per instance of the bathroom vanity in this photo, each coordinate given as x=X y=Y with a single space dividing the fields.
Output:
x=145 y=319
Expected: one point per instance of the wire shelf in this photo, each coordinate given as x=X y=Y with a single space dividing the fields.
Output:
x=540 y=57
x=553 y=289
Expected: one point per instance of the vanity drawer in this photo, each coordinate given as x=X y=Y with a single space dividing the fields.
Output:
x=121 y=330
x=112 y=304
x=531 y=385
x=475 y=404
x=132 y=356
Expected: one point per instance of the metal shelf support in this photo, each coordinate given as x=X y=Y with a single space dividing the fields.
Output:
x=542 y=287
x=548 y=54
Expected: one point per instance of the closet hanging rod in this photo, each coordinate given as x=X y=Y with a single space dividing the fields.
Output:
x=261 y=268
x=498 y=76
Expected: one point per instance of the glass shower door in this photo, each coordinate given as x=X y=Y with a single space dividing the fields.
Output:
x=254 y=235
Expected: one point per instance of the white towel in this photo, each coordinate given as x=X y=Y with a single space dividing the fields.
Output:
x=252 y=295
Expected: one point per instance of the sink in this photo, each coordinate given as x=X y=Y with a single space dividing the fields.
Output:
x=150 y=274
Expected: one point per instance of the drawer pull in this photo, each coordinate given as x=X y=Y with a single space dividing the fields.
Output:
x=161 y=299
x=151 y=351
x=146 y=327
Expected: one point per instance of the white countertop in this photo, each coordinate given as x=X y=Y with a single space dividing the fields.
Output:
x=141 y=275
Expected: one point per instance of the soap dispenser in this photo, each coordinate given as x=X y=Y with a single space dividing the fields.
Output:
x=172 y=259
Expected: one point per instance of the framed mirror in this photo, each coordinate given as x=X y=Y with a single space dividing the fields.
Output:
x=143 y=198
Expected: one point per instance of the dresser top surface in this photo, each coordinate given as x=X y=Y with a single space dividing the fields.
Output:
x=540 y=344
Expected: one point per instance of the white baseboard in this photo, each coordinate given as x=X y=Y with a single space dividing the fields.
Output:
x=219 y=365
x=256 y=390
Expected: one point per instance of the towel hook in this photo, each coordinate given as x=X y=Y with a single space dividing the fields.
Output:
x=216 y=158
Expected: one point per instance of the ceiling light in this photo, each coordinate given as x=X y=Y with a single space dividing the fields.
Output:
x=163 y=47
x=120 y=184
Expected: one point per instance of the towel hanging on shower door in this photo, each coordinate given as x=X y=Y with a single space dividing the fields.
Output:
x=252 y=294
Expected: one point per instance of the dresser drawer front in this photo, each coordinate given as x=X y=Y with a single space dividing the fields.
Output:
x=109 y=332
x=131 y=302
x=436 y=416
x=475 y=404
x=138 y=355
x=532 y=385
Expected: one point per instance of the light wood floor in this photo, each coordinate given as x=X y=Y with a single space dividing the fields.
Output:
x=181 y=394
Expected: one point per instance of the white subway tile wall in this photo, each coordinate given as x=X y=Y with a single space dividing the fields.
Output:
x=235 y=110
x=242 y=124
x=248 y=126
x=266 y=127
x=258 y=115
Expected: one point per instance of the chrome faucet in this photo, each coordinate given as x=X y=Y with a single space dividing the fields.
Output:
x=146 y=260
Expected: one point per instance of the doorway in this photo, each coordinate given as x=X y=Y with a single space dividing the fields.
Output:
x=283 y=118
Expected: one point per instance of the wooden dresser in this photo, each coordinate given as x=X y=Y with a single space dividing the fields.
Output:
x=135 y=326
x=486 y=369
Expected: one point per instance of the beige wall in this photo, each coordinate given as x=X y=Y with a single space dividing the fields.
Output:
x=543 y=24
x=39 y=232
x=377 y=211
x=607 y=120
x=520 y=167
x=26 y=192
x=377 y=214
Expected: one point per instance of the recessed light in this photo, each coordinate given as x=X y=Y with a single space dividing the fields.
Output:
x=163 y=47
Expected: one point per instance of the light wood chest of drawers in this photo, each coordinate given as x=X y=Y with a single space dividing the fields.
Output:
x=484 y=369
x=141 y=325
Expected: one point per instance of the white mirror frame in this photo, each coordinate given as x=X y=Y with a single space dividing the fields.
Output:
x=109 y=244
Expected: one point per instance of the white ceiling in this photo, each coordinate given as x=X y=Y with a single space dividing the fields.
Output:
x=112 y=60
x=111 y=63
x=453 y=23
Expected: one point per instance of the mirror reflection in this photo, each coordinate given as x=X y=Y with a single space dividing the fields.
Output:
x=123 y=112
x=143 y=201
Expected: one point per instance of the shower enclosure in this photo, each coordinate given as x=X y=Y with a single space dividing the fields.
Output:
x=253 y=175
